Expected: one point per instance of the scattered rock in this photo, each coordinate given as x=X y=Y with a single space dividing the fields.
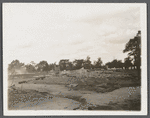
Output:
x=73 y=85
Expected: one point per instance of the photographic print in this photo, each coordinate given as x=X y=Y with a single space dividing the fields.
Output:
x=74 y=59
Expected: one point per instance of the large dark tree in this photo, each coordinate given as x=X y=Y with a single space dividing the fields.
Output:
x=134 y=49
x=127 y=62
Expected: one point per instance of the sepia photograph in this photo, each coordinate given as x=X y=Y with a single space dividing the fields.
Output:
x=74 y=59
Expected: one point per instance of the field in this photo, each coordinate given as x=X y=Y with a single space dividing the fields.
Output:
x=96 y=90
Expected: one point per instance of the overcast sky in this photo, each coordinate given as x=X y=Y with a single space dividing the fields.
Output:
x=36 y=32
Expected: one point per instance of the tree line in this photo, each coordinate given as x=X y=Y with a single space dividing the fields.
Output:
x=64 y=64
x=133 y=47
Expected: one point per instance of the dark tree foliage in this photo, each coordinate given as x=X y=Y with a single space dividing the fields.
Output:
x=119 y=64
x=30 y=68
x=87 y=63
x=98 y=63
x=51 y=66
x=127 y=63
x=64 y=63
x=134 y=49
x=78 y=64
x=42 y=66
x=69 y=66
x=115 y=64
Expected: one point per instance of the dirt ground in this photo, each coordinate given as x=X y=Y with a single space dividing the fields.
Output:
x=106 y=91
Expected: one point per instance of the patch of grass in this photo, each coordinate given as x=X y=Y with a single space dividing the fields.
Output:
x=128 y=105
x=16 y=96
x=114 y=80
x=134 y=105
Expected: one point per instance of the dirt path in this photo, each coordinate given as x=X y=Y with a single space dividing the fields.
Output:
x=115 y=96
x=48 y=104
x=70 y=99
